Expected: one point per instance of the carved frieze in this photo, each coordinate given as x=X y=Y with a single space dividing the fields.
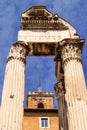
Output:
x=18 y=51
x=38 y=17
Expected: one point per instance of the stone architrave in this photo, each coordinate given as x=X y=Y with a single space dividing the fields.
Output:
x=13 y=91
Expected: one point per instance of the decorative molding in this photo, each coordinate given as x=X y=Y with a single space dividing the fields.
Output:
x=38 y=17
x=18 y=51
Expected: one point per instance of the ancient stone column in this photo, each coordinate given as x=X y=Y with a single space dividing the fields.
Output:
x=60 y=94
x=13 y=91
x=76 y=92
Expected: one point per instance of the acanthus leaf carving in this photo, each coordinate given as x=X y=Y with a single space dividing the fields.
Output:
x=59 y=89
x=18 y=51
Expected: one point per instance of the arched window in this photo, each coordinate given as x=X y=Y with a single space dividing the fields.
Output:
x=40 y=105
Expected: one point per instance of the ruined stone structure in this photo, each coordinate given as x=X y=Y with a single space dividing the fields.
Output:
x=44 y=33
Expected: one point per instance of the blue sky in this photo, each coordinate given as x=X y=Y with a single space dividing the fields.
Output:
x=39 y=69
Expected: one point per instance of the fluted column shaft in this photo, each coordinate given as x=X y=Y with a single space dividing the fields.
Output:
x=13 y=90
x=60 y=94
x=76 y=93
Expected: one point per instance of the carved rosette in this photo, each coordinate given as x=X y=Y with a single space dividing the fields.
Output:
x=59 y=89
x=18 y=51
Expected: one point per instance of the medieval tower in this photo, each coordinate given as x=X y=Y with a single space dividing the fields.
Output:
x=45 y=34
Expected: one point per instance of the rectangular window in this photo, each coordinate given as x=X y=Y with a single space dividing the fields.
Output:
x=44 y=122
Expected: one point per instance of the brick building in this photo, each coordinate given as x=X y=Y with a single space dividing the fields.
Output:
x=40 y=113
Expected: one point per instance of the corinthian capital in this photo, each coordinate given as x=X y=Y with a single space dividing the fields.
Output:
x=18 y=51
x=59 y=89
x=71 y=49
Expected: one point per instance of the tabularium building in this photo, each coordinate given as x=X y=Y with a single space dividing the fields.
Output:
x=40 y=113
x=45 y=34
